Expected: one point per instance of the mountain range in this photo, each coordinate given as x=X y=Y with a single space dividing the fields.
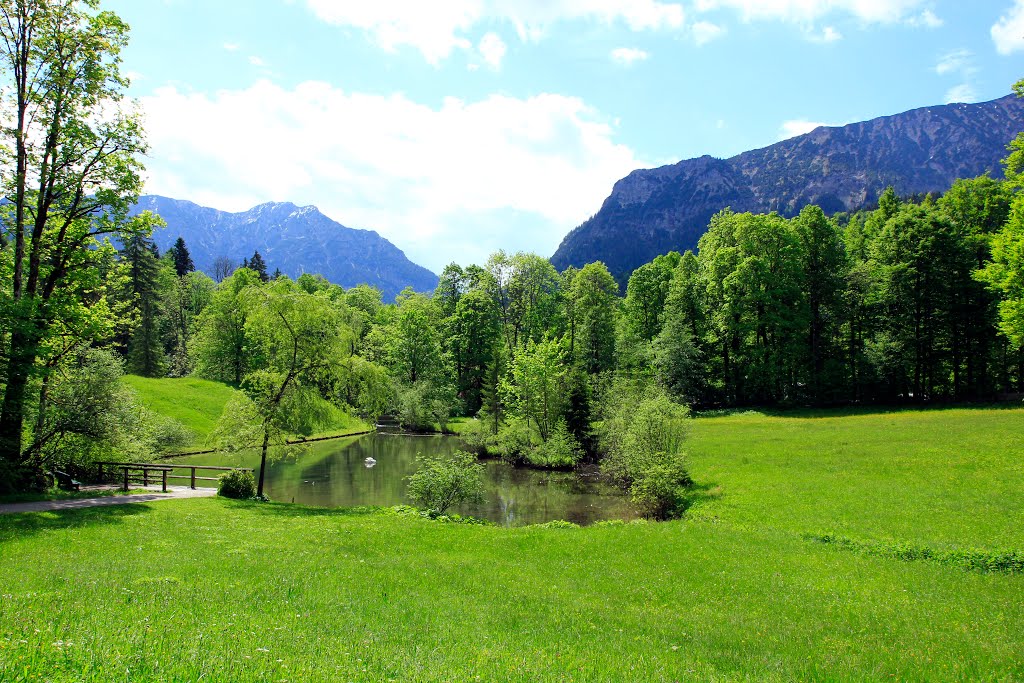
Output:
x=291 y=238
x=845 y=168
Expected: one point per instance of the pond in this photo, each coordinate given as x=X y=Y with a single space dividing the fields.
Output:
x=335 y=474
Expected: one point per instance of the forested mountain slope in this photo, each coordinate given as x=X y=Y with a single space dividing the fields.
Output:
x=294 y=239
x=653 y=211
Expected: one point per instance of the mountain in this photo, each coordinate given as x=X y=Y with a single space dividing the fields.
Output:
x=295 y=239
x=653 y=211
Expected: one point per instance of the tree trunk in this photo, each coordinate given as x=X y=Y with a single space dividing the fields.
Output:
x=12 y=414
x=263 y=461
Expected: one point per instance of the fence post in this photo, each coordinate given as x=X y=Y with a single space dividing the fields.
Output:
x=193 y=478
x=165 y=481
x=126 y=479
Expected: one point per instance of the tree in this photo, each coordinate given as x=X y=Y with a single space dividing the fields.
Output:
x=222 y=268
x=181 y=258
x=824 y=265
x=300 y=340
x=223 y=351
x=147 y=289
x=75 y=173
x=537 y=384
x=1005 y=274
x=257 y=265
x=594 y=297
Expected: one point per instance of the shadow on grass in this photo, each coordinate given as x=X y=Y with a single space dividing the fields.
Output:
x=699 y=494
x=22 y=524
x=849 y=411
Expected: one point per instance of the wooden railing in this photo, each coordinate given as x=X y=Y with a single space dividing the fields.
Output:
x=142 y=472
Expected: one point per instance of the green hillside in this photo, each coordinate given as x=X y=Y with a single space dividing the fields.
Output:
x=198 y=404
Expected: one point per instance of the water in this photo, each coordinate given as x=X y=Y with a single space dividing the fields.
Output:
x=334 y=474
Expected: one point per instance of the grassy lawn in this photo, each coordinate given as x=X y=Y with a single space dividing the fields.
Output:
x=223 y=590
x=198 y=404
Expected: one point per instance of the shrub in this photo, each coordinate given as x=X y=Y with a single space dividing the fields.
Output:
x=642 y=436
x=476 y=434
x=239 y=484
x=514 y=442
x=659 y=490
x=442 y=482
x=561 y=450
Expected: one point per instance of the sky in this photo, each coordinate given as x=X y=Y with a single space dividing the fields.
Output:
x=458 y=127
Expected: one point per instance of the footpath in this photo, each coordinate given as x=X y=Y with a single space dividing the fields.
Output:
x=173 y=492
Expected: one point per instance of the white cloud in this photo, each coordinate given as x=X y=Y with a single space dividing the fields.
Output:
x=704 y=32
x=497 y=172
x=809 y=11
x=956 y=61
x=829 y=34
x=437 y=29
x=927 y=19
x=231 y=47
x=1008 y=32
x=492 y=48
x=256 y=61
x=627 y=56
x=964 y=92
x=795 y=127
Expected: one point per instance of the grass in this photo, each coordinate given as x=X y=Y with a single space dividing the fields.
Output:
x=737 y=591
x=198 y=404
x=948 y=478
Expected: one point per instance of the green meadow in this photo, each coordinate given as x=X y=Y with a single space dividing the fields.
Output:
x=742 y=588
x=198 y=404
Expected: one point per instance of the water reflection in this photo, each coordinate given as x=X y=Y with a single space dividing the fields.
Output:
x=371 y=470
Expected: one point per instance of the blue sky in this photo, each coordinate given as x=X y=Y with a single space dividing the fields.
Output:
x=458 y=127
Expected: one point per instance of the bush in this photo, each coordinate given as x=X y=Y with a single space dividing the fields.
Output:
x=514 y=441
x=442 y=482
x=561 y=450
x=477 y=435
x=642 y=436
x=238 y=484
x=659 y=491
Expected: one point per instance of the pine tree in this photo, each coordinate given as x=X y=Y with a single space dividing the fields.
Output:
x=259 y=265
x=144 y=344
x=182 y=259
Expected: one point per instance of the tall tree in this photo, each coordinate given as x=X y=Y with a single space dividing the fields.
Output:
x=75 y=171
x=147 y=290
x=182 y=258
x=257 y=264
x=594 y=298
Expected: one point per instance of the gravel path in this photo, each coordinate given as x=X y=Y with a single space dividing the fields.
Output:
x=71 y=504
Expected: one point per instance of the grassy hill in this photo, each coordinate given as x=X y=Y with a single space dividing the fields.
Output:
x=198 y=404
x=742 y=589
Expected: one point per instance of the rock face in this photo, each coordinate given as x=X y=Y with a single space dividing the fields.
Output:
x=295 y=239
x=653 y=211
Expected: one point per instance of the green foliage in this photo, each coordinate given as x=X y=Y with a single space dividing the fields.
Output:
x=534 y=385
x=642 y=437
x=71 y=153
x=594 y=312
x=423 y=405
x=560 y=450
x=1005 y=274
x=515 y=441
x=441 y=482
x=238 y=484
x=476 y=434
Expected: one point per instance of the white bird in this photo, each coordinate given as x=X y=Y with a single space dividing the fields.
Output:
x=370 y=462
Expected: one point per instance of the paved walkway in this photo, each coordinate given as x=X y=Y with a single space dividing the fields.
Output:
x=73 y=503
